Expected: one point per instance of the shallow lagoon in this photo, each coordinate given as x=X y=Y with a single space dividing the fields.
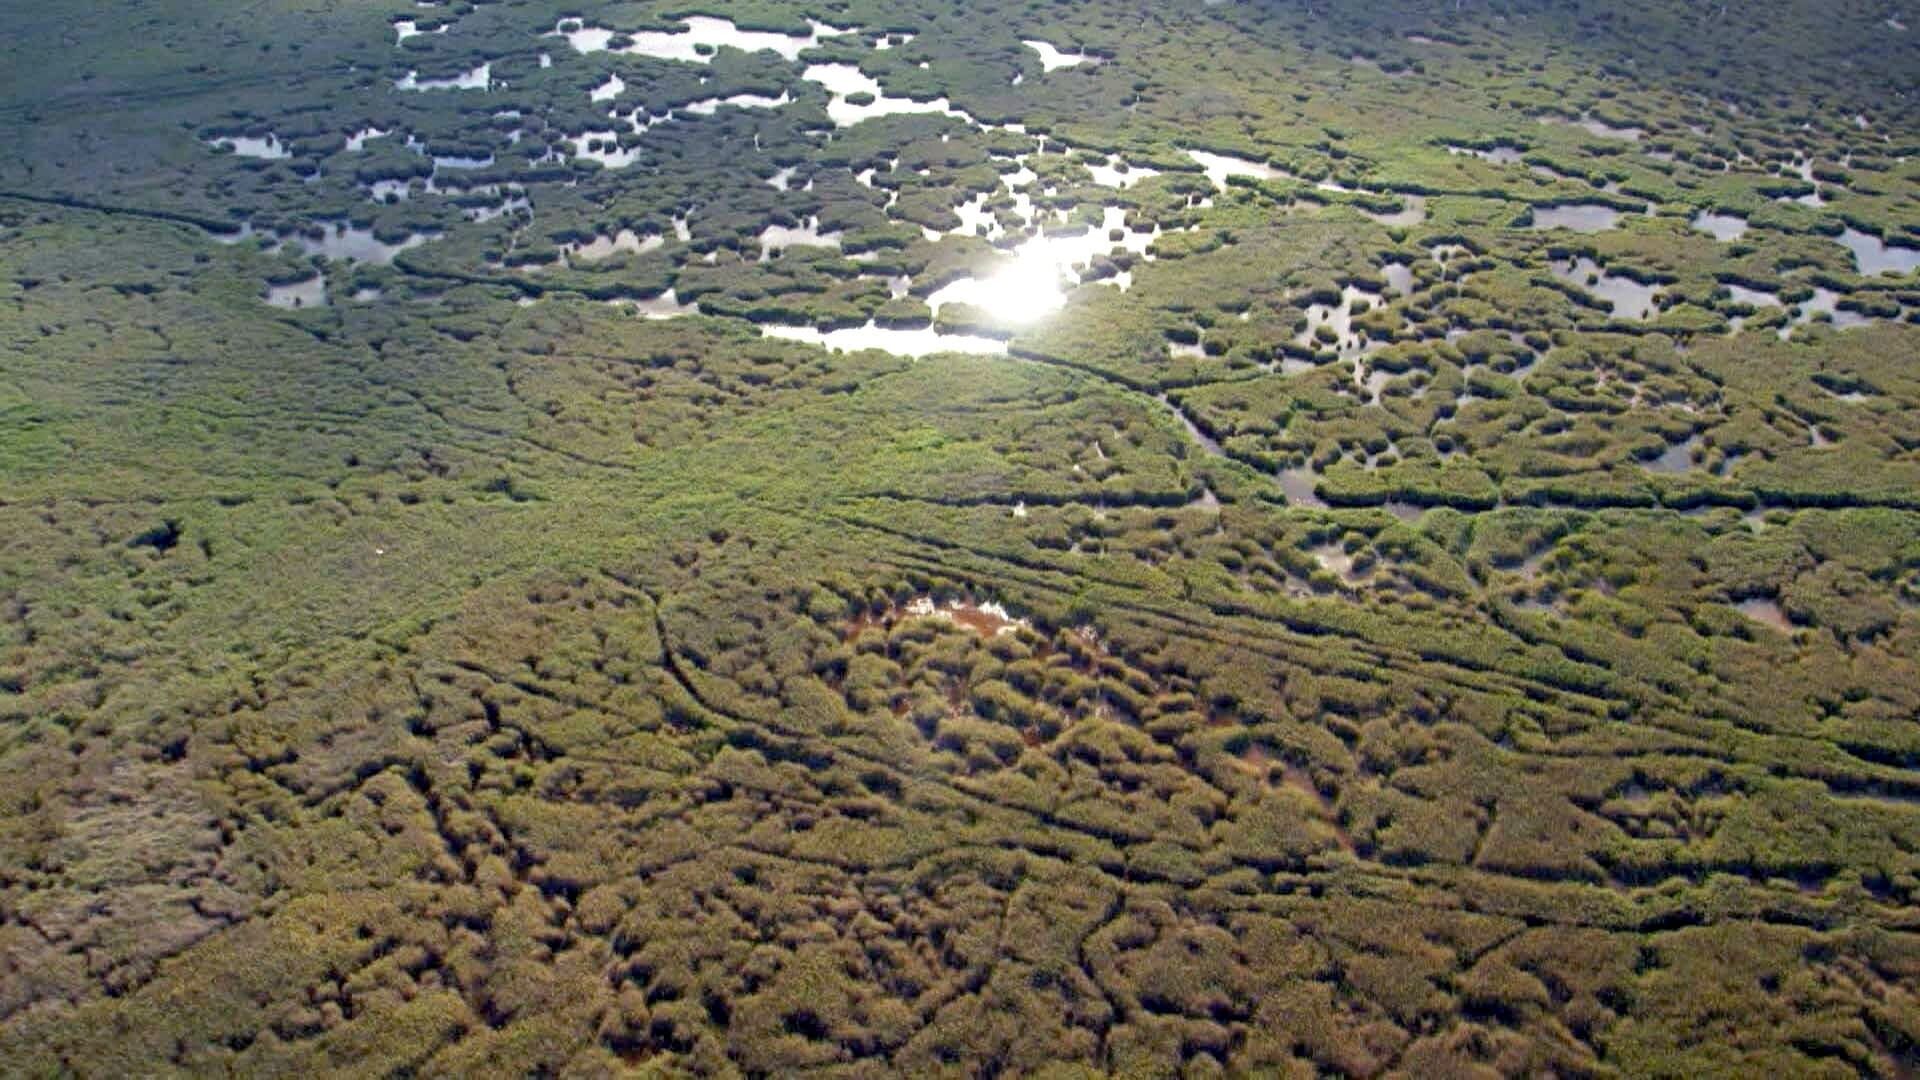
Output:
x=1498 y=154
x=1722 y=227
x=1053 y=59
x=341 y=240
x=844 y=81
x=667 y=305
x=694 y=44
x=479 y=78
x=1873 y=256
x=1222 y=167
x=1677 y=458
x=1630 y=299
x=604 y=246
x=267 y=147
x=310 y=293
x=777 y=238
x=406 y=28
x=1576 y=217
x=916 y=343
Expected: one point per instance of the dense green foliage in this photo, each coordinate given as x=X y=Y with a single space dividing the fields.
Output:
x=1415 y=658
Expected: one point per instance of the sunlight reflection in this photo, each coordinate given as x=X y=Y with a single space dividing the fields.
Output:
x=1032 y=282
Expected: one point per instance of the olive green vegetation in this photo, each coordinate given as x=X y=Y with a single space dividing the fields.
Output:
x=1417 y=668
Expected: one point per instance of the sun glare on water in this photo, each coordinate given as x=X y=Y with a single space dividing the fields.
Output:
x=1032 y=288
x=1033 y=280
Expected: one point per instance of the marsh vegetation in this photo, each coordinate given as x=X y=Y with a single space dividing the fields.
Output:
x=1120 y=538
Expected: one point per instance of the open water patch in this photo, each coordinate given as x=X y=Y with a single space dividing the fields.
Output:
x=1628 y=298
x=1873 y=256
x=266 y=147
x=1053 y=59
x=695 y=42
x=1722 y=227
x=916 y=343
x=1220 y=168
x=1575 y=217
x=479 y=78
x=295 y=295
